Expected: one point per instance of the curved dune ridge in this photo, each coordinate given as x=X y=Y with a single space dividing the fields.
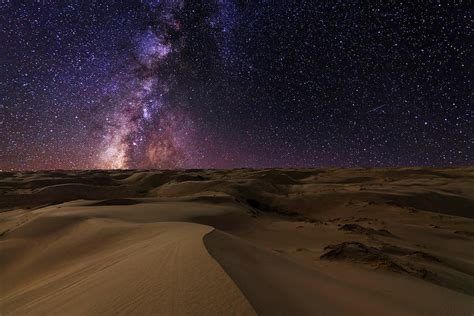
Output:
x=104 y=266
x=267 y=242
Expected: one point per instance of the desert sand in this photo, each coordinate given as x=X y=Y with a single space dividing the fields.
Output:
x=238 y=242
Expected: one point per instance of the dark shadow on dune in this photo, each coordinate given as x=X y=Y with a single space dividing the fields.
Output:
x=414 y=172
x=277 y=286
x=116 y=202
x=226 y=222
x=263 y=207
x=434 y=202
x=358 y=229
x=256 y=273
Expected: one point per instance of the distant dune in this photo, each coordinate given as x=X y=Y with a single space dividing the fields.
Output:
x=239 y=242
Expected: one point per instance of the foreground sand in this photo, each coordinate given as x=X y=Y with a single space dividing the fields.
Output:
x=269 y=242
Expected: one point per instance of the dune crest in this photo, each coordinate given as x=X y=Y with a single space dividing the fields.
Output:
x=116 y=267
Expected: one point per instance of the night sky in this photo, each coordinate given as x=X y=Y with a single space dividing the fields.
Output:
x=235 y=83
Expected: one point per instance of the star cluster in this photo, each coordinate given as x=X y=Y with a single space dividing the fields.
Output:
x=234 y=83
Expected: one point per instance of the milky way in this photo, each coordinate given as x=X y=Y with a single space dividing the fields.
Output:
x=234 y=83
x=144 y=130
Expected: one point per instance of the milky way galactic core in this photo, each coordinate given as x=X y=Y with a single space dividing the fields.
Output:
x=234 y=83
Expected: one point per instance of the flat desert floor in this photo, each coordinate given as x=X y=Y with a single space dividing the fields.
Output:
x=243 y=241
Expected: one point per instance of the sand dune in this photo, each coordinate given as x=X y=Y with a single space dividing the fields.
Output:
x=273 y=241
x=98 y=266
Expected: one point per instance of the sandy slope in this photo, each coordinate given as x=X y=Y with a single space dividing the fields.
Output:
x=289 y=241
x=99 y=266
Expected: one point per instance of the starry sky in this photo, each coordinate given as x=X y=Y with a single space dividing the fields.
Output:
x=235 y=83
